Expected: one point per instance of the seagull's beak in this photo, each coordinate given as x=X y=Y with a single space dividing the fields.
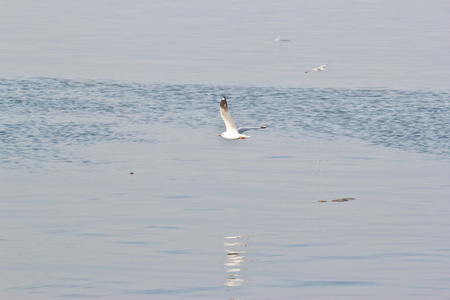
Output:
x=220 y=135
x=242 y=138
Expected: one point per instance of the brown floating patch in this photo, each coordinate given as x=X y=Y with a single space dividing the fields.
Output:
x=339 y=200
x=131 y=173
x=343 y=199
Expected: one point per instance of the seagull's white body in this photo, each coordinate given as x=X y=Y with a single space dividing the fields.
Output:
x=320 y=68
x=232 y=133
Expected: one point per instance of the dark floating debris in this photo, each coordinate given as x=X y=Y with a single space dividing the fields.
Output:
x=343 y=199
x=131 y=173
x=339 y=200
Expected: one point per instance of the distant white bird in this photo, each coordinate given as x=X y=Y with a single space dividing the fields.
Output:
x=279 y=39
x=320 y=68
x=232 y=133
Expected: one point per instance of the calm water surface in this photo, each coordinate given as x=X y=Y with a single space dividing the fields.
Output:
x=205 y=217
x=114 y=183
x=399 y=44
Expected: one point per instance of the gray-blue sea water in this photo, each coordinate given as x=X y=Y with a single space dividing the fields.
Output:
x=117 y=190
x=42 y=115
x=115 y=184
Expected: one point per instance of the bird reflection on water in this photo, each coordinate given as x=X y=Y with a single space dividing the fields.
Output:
x=235 y=260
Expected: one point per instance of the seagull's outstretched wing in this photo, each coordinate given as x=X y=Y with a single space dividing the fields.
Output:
x=319 y=68
x=225 y=114
x=243 y=129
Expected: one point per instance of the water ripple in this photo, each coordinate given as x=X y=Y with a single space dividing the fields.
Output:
x=45 y=116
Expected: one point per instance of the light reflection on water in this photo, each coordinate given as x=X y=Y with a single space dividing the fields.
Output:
x=235 y=260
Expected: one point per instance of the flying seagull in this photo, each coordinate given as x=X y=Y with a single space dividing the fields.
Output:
x=320 y=68
x=232 y=133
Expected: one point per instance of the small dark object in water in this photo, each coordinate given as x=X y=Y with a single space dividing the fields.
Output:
x=131 y=173
x=339 y=200
x=343 y=199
